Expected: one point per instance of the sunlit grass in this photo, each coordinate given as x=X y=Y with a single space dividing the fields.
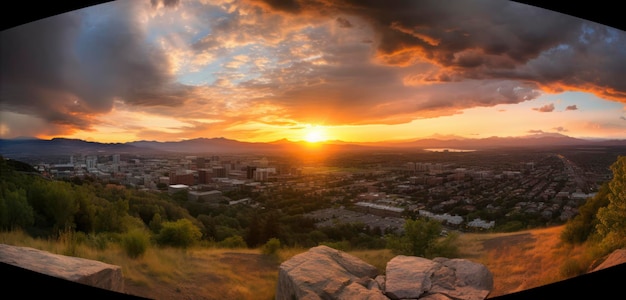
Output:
x=218 y=273
x=215 y=273
x=376 y=258
x=533 y=262
x=18 y=237
x=288 y=252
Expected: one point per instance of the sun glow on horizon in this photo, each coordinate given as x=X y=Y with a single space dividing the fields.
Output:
x=315 y=134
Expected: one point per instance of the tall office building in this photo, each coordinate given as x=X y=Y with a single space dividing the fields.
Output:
x=204 y=176
x=91 y=162
x=250 y=172
x=200 y=163
x=219 y=172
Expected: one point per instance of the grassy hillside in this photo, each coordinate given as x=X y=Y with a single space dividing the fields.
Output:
x=518 y=261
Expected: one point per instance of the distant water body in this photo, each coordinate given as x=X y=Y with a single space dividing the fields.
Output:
x=448 y=150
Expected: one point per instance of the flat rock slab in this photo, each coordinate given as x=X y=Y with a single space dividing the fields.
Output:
x=81 y=270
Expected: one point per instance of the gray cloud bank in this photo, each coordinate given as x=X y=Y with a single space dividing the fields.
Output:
x=390 y=61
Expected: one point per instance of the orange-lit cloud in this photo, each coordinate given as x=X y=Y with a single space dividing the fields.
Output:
x=252 y=69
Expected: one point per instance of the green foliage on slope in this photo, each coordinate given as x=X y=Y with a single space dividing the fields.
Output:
x=422 y=238
x=612 y=218
x=601 y=221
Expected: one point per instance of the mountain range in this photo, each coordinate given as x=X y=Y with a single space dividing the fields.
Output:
x=25 y=146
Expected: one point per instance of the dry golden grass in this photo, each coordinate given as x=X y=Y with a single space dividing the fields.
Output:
x=202 y=273
x=286 y=253
x=170 y=273
x=518 y=261
x=377 y=258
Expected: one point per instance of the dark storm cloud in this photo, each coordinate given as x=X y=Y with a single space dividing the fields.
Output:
x=443 y=29
x=571 y=107
x=489 y=39
x=66 y=69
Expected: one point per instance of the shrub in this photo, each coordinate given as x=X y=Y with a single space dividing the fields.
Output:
x=181 y=233
x=271 y=247
x=571 y=268
x=420 y=238
x=98 y=241
x=135 y=242
x=233 y=242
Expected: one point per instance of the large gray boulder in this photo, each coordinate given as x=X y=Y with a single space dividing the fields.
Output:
x=411 y=277
x=326 y=273
x=408 y=277
x=85 y=271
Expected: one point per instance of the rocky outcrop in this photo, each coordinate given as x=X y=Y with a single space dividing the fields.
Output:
x=615 y=258
x=327 y=273
x=411 y=277
x=80 y=270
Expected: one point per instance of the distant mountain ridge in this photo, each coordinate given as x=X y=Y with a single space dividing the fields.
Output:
x=64 y=146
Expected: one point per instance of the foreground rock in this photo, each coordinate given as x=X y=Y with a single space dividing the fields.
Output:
x=411 y=277
x=615 y=258
x=327 y=273
x=85 y=271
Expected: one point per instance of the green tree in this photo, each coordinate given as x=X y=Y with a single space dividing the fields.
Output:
x=419 y=238
x=271 y=247
x=209 y=231
x=181 y=233
x=578 y=229
x=111 y=217
x=55 y=202
x=253 y=234
x=86 y=214
x=15 y=210
x=135 y=242
x=233 y=242
x=612 y=218
x=271 y=227
x=156 y=223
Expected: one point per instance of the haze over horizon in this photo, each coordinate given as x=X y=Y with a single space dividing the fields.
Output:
x=434 y=137
x=262 y=71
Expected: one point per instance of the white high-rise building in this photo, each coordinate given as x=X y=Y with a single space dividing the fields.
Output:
x=91 y=162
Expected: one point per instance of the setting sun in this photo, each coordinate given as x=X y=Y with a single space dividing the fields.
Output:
x=315 y=134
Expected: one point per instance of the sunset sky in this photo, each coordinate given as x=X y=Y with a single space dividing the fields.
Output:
x=351 y=70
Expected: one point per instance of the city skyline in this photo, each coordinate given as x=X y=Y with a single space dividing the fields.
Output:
x=261 y=71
